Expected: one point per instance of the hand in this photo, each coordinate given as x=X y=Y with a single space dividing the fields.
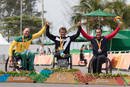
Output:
x=118 y=19
x=10 y=61
x=79 y=23
x=84 y=22
x=47 y=23
x=120 y=24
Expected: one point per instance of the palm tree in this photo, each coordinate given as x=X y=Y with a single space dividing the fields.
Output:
x=76 y=17
x=117 y=7
x=126 y=17
x=85 y=6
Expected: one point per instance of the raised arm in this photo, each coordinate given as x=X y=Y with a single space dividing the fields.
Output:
x=73 y=37
x=110 y=36
x=38 y=34
x=49 y=35
x=86 y=35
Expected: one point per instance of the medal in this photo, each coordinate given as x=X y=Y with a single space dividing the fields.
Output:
x=99 y=45
x=99 y=50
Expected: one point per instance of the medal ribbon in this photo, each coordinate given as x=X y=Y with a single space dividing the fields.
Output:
x=61 y=43
x=99 y=43
x=23 y=43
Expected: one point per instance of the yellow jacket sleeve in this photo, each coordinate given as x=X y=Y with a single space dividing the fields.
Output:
x=11 y=48
x=38 y=34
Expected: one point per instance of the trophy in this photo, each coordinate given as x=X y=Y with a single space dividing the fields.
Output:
x=61 y=51
x=118 y=19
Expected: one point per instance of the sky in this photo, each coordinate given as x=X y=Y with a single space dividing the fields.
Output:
x=59 y=12
x=128 y=1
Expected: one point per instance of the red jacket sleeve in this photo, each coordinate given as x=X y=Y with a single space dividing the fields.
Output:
x=86 y=35
x=110 y=36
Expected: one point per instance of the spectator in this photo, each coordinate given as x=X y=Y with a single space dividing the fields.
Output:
x=41 y=49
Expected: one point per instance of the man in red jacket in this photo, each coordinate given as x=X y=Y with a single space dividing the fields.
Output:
x=99 y=46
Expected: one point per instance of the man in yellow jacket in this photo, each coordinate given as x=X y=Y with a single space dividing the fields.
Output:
x=21 y=45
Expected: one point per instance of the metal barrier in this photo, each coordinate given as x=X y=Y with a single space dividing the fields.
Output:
x=117 y=52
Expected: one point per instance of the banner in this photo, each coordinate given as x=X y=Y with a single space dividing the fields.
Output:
x=120 y=60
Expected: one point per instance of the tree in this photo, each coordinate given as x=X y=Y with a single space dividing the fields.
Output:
x=85 y=6
x=117 y=7
x=10 y=16
x=120 y=8
x=12 y=8
x=12 y=24
x=126 y=17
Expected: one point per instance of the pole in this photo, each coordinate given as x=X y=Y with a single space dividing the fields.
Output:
x=99 y=21
x=42 y=12
x=111 y=45
x=21 y=14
